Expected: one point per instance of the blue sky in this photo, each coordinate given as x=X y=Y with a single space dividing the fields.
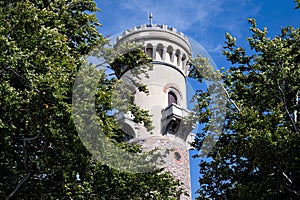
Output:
x=206 y=21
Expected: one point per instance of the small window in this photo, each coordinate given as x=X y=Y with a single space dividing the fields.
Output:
x=149 y=52
x=159 y=51
x=172 y=98
x=177 y=156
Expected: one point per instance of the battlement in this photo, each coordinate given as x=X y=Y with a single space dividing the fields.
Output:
x=149 y=27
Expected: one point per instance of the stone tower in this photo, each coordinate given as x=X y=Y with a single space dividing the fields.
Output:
x=166 y=101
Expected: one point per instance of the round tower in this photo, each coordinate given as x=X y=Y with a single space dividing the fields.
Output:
x=166 y=101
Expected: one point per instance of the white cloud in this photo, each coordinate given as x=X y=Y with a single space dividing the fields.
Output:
x=191 y=14
x=180 y=14
x=204 y=20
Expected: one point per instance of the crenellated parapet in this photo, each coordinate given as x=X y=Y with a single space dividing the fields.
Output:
x=162 y=43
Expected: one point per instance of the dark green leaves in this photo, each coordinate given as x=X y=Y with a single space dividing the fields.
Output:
x=257 y=155
x=41 y=47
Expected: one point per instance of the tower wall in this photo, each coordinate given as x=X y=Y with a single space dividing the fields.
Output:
x=161 y=80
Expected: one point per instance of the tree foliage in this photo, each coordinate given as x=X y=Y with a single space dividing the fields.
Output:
x=257 y=155
x=42 y=157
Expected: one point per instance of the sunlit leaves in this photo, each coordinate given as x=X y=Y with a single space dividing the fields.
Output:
x=257 y=156
x=41 y=47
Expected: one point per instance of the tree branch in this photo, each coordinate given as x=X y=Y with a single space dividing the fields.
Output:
x=228 y=96
x=18 y=186
x=293 y=191
x=286 y=108
x=287 y=178
x=25 y=140
x=32 y=138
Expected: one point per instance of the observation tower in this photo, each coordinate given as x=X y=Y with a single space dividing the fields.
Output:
x=167 y=99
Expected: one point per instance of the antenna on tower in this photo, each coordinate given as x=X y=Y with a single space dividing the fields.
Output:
x=150 y=18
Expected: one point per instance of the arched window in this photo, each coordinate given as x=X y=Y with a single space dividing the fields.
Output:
x=159 y=51
x=177 y=56
x=183 y=60
x=169 y=54
x=149 y=50
x=172 y=98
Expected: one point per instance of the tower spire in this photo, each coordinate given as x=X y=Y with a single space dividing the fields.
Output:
x=150 y=18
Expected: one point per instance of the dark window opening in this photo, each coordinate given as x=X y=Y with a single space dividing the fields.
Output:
x=127 y=137
x=172 y=98
x=149 y=52
x=177 y=156
x=172 y=127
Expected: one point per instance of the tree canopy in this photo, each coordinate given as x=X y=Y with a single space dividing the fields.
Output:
x=257 y=155
x=41 y=47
